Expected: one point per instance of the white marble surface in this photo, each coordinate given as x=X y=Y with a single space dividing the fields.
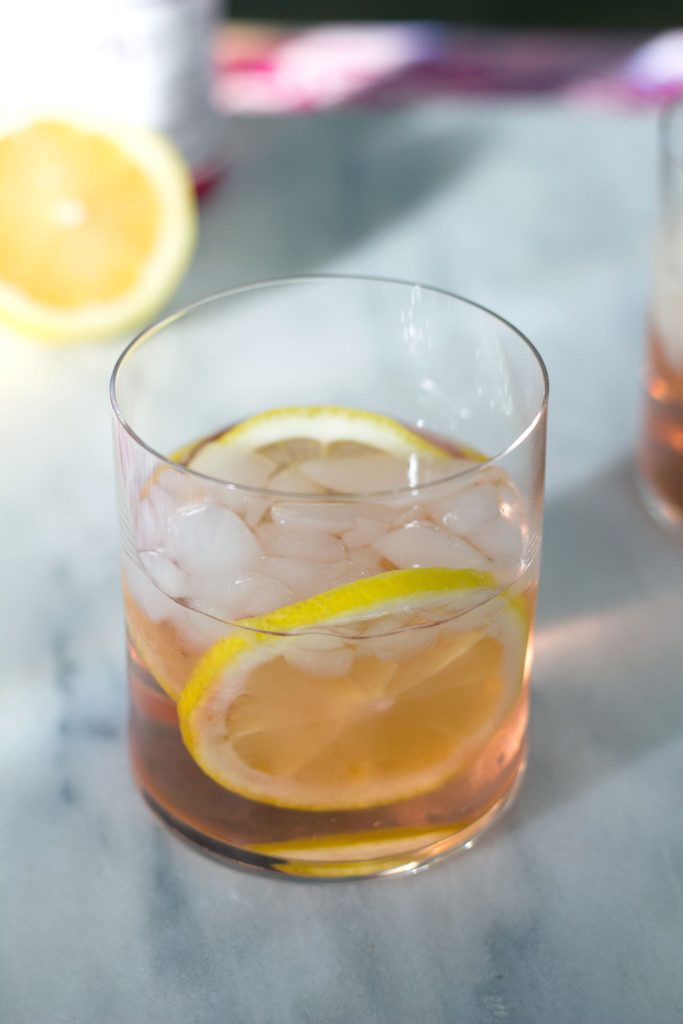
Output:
x=570 y=909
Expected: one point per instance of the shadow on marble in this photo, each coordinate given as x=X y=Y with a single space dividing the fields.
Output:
x=602 y=548
x=304 y=189
x=611 y=578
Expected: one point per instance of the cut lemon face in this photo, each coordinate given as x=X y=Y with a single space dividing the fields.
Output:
x=324 y=449
x=97 y=224
x=323 y=721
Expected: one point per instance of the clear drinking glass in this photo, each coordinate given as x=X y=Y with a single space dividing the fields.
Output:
x=660 y=457
x=329 y=607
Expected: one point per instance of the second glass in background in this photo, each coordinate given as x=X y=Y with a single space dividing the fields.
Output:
x=660 y=458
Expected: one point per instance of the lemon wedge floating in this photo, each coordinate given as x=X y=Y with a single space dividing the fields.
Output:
x=376 y=730
x=97 y=224
x=324 y=449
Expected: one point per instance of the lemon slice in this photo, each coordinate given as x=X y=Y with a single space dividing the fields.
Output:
x=324 y=449
x=381 y=850
x=330 y=428
x=271 y=725
x=97 y=225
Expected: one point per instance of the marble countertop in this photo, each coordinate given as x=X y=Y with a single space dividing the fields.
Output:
x=570 y=909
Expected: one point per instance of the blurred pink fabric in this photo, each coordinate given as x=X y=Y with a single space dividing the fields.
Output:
x=271 y=69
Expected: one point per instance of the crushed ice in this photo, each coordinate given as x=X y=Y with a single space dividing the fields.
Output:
x=232 y=554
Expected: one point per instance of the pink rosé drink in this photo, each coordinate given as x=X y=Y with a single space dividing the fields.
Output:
x=328 y=605
x=661 y=448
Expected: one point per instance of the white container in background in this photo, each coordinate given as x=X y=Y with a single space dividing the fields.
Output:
x=143 y=61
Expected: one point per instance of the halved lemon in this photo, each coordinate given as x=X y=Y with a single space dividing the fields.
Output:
x=325 y=448
x=97 y=224
x=351 y=728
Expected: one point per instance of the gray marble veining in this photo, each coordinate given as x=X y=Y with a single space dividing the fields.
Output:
x=571 y=909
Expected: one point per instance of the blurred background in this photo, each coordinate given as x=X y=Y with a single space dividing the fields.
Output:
x=199 y=71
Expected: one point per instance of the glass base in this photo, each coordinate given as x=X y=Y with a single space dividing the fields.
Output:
x=329 y=869
x=664 y=512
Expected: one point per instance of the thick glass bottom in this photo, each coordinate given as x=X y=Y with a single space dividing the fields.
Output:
x=378 y=855
x=667 y=513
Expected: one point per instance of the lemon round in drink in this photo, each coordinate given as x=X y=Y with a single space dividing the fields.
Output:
x=269 y=725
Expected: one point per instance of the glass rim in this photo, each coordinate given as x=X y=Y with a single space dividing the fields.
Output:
x=262 y=285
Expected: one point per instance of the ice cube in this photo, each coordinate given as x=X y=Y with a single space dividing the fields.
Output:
x=291 y=479
x=396 y=646
x=365 y=565
x=365 y=531
x=165 y=573
x=420 y=544
x=181 y=487
x=381 y=509
x=303 y=545
x=222 y=462
x=154 y=515
x=502 y=540
x=235 y=596
x=252 y=509
x=366 y=560
x=474 y=500
x=379 y=624
x=249 y=507
x=199 y=629
x=209 y=539
x=156 y=605
x=431 y=469
x=403 y=507
x=378 y=472
x=358 y=473
x=322 y=516
x=262 y=594
x=469 y=509
x=319 y=655
x=488 y=513
x=346 y=573
x=304 y=579
x=148 y=530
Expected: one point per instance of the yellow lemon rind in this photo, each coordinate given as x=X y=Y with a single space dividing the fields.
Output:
x=174 y=190
x=327 y=424
x=238 y=655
